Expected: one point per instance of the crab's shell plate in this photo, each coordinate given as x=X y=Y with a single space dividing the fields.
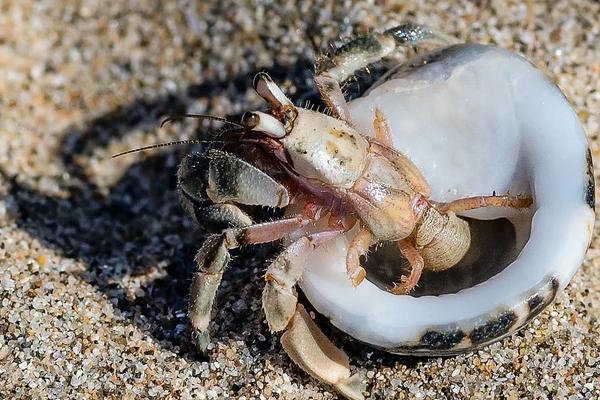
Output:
x=475 y=120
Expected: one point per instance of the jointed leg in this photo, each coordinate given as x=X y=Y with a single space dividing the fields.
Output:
x=360 y=53
x=383 y=146
x=306 y=345
x=470 y=203
x=358 y=247
x=213 y=257
x=332 y=95
x=407 y=284
x=279 y=296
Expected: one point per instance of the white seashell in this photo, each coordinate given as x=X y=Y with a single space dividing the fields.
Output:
x=475 y=120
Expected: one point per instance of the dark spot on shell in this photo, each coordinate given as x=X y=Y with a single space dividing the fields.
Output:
x=555 y=285
x=442 y=340
x=590 y=193
x=541 y=299
x=534 y=303
x=493 y=328
x=450 y=340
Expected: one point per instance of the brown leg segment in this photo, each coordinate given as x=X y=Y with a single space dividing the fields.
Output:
x=407 y=284
x=358 y=247
x=471 y=203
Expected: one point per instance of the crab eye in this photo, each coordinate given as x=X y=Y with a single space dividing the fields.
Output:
x=265 y=123
x=250 y=119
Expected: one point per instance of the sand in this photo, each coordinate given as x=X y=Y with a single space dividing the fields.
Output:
x=96 y=254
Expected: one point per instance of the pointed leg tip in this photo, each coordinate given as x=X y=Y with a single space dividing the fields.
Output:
x=397 y=291
x=358 y=277
x=401 y=288
x=201 y=340
x=353 y=387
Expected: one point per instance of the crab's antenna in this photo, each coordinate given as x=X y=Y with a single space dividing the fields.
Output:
x=155 y=146
x=200 y=116
x=237 y=127
x=180 y=142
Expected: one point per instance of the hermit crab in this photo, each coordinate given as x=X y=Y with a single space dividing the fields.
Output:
x=437 y=213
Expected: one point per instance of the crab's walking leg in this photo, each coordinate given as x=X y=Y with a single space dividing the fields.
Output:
x=470 y=203
x=213 y=257
x=230 y=180
x=279 y=296
x=303 y=341
x=360 y=53
x=383 y=146
x=416 y=263
x=358 y=246
x=317 y=355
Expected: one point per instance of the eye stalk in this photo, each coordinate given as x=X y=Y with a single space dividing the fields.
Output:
x=268 y=90
x=265 y=123
x=282 y=108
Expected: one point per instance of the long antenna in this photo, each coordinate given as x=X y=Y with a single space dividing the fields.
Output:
x=155 y=146
x=201 y=116
x=237 y=125
x=190 y=141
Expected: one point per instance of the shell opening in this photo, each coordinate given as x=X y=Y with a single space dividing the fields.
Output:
x=496 y=243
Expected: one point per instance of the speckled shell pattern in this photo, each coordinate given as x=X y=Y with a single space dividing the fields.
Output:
x=451 y=339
